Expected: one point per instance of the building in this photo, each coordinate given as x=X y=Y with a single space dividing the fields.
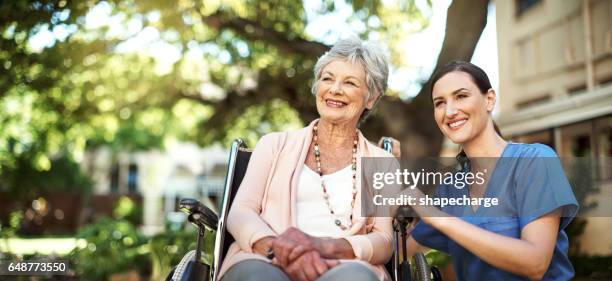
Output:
x=555 y=60
x=160 y=179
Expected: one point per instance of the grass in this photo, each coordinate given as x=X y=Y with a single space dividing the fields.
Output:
x=45 y=246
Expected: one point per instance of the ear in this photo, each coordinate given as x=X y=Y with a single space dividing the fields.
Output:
x=370 y=102
x=490 y=97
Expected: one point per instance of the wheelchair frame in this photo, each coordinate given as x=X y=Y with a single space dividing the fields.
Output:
x=202 y=217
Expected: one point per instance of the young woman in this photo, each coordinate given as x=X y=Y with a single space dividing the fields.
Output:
x=522 y=238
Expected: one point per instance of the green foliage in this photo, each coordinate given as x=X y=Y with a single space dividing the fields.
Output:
x=111 y=246
x=26 y=181
x=580 y=175
x=31 y=102
x=597 y=267
x=438 y=258
x=126 y=209
x=225 y=69
x=574 y=230
x=11 y=228
x=256 y=121
x=168 y=248
x=115 y=245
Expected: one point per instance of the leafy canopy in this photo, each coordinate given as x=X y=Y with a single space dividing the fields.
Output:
x=134 y=74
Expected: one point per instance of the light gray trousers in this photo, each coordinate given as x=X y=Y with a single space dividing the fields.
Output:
x=256 y=270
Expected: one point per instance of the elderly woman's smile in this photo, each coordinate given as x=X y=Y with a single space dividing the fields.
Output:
x=334 y=103
x=342 y=91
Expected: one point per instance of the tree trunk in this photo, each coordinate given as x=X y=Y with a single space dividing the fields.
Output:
x=412 y=122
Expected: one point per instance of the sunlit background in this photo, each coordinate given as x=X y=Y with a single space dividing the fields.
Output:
x=112 y=111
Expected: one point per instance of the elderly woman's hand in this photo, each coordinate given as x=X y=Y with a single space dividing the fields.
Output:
x=263 y=245
x=309 y=266
x=291 y=244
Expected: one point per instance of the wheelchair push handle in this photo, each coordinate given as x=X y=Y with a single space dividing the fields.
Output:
x=198 y=214
x=191 y=267
x=404 y=216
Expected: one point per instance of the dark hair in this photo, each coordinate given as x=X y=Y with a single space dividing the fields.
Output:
x=479 y=77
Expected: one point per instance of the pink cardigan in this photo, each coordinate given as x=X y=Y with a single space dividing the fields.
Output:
x=265 y=204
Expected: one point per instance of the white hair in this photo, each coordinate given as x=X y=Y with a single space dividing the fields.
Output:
x=366 y=53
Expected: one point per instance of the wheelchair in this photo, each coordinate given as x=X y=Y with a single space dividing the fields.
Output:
x=191 y=267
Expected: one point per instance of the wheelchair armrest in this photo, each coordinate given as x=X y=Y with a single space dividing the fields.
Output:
x=199 y=214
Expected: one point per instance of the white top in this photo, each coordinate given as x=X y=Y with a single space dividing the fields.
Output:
x=313 y=215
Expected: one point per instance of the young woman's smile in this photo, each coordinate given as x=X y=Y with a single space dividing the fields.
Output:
x=456 y=124
x=461 y=110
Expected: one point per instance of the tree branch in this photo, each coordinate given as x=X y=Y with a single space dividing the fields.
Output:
x=196 y=98
x=253 y=30
x=412 y=123
x=465 y=21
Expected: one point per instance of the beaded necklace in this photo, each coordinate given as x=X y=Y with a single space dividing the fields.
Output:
x=317 y=155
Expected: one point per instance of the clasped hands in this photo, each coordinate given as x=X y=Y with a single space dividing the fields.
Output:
x=301 y=256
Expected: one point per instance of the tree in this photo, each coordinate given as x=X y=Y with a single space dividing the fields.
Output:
x=411 y=121
x=243 y=68
x=32 y=119
x=416 y=129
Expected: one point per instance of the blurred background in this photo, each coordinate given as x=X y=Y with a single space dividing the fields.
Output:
x=112 y=111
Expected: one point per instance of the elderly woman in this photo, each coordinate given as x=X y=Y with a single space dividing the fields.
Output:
x=297 y=215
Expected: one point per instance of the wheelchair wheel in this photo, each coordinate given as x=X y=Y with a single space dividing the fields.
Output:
x=169 y=277
x=421 y=271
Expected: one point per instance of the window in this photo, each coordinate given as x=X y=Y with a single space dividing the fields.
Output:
x=576 y=140
x=524 y=5
x=581 y=145
x=604 y=147
x=608 y=80
x=533 y=102
x=577 y=157
x=543 y=137
x=114 y=179
x=576 y=90
x=132 y=180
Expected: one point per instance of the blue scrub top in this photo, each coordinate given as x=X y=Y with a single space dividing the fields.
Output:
x=529 y=182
